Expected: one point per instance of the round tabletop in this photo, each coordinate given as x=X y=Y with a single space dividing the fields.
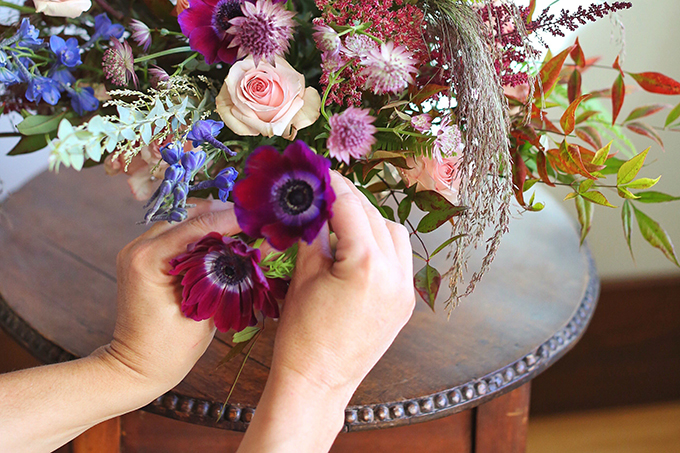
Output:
x=60 y=234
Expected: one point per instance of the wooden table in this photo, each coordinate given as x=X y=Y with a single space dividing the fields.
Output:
x=59 y=237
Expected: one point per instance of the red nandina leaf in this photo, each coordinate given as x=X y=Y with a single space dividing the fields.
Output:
x=585 y=116
x=646 y=130
x=587 y=156
x=589 y=135
x=519 y=175
x=577 y=55
x=427 y=282
x=574 y=85
x=550 y=73
x=617 y=66
x=568 y=120
x=618 y=95
x=542 y=168
x=645 y=110
x=427 y=92
x=573 y=154
x=532 y=8
x=655 y=82
x=542 y=120
x=527 y=134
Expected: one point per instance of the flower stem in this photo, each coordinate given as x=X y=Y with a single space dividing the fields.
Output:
x=109 y=9
x=162 y=53
x=413 y=134
x=23 y=9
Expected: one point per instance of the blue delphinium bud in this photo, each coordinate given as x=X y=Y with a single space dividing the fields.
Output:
x=174 y=173
x=105 y=29
x=67 y=52
x=61 y=74
x=171 y=153
x=203 y=131
x=28 y=35
x=7 y=75
x=224 y=181
x=192 y=162
x=40 y=87
x=83 y=100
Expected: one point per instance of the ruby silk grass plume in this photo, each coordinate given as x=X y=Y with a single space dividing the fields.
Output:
x=486 y=167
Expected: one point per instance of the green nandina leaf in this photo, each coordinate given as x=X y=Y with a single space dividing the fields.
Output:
x=40 y=124
x=28 y=144
x=585 y=210
x=673 y=115
x=404 y=209
x=631 y=168
x=602 y=154
x=431 y=221
x=387 y=212
x=246 y=334
x=368 y=195
x=655 y=197
x=427 y=282
x=429 y=200
x=642 y=183
x=645 y=110
x=655 y=235
x=446 y=243
x=585 y=185
x=625 y=193
x=598 y=198
x=627 y=219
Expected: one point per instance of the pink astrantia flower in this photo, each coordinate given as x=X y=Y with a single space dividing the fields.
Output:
x=351 y=134
x=421 y=123
x=222 y=279
x=449 y=141
x=119 y=64
x=356 y=46
x=327 y=40
x=140 y=34
x=264 y=31
x=389 y=69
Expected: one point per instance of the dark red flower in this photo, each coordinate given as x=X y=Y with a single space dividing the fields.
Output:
x=284 y=197
x=222 y=279
x=205 y=23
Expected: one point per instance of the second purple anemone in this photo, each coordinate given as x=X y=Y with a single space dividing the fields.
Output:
x=284 y=197
x=222 y=279
x=205 y=23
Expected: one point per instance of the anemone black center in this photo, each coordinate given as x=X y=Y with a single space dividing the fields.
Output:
x=225 y=11
x=295 y=197
x=231 y=269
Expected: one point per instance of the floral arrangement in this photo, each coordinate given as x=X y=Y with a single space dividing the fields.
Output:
x=438 y=104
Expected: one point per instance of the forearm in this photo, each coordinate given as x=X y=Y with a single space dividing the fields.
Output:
x=44 y=408
x=295 y=416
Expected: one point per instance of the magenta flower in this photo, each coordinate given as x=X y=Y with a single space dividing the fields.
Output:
x=118 y=64
x=205 y=23
x=351 y=134
x=263 y=31
x=284 y=198
x=389 y=69
x=222 y=279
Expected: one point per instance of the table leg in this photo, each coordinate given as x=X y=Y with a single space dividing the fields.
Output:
x=102 y=438
x=501 y=424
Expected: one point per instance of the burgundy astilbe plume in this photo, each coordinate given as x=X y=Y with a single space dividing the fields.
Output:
x=571 y=21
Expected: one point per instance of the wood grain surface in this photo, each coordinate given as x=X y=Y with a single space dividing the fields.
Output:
x=59 y=238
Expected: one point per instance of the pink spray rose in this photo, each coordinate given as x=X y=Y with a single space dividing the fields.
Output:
x=267 y=100
x=429 y=174
x=62 y=8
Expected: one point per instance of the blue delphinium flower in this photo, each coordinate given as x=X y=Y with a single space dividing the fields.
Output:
x=205 y=131
x=67 y=51
x=8 y=76
x=27 y=35
x=172 y=153
x=105 y=29
x=83 y=100
x=61 y=74
x=44 y=88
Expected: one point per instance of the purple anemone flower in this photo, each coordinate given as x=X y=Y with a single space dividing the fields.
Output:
x=286 y=197
x=205 y=23
x=222 y=279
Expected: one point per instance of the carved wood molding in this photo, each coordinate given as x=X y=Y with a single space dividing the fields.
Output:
x=373 y=416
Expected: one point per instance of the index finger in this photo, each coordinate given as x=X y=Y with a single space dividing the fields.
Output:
x=349 y=222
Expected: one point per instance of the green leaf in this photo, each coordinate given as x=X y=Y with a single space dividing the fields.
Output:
x=570 y=195
x=426 y=283
x=246 y=334
x=404 y=209
x=597 y=198
x=631 y=168
x=40 y=124
x=602 y=154
x=655 y=235
x=655 y=197
x=642 y=183
x=446 y=243
x=673 y=115
x=625 y=193
x=585 y=185
x=439 y=210
x=233 y=352
x=387 y=212
x=431 y=221
x=627 y=219
x=585 y=210
x=28 y=144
